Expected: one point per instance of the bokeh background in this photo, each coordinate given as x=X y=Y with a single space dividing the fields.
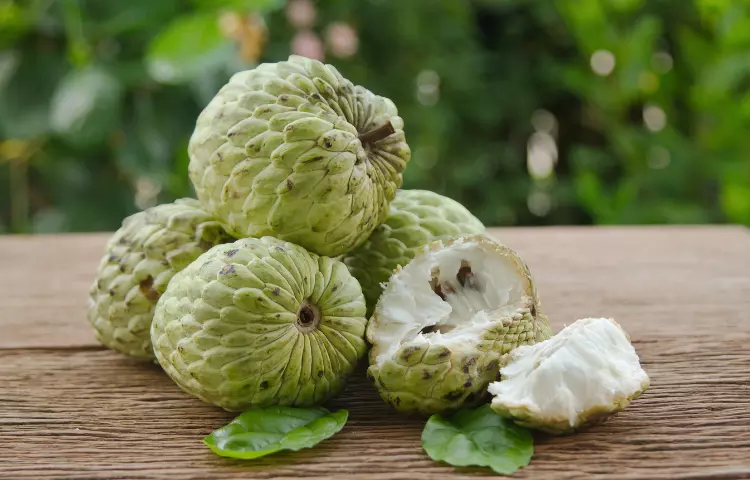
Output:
x=527 y=112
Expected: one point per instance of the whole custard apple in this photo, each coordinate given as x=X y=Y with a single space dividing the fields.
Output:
x=295 y=151
x=445 y=320
x=138 y=262
x=261 y=322
x=416 y=217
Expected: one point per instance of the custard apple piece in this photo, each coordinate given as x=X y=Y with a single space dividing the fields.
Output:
x=579 y=377
x=445 y=319
x=261 y=322
x=294 y=150
x=139 y=260
x=416 y=217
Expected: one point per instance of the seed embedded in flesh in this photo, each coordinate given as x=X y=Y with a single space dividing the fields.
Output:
x=465 y=277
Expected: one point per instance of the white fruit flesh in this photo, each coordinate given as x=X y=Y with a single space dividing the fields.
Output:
x=587 y=370
x=412 y=311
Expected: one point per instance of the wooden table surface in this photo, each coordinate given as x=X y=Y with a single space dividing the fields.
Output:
x=72 y=409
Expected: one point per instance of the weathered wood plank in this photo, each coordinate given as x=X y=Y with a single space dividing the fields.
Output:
x=654 y=278
x=88 y=413
x=70 y=409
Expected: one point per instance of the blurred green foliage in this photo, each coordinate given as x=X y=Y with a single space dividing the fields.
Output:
x=564 y=112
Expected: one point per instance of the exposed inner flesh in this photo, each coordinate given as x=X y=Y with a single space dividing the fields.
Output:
x=589 y=364
x=449 y=297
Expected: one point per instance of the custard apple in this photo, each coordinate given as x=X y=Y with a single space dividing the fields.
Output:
x=416 y=218
x=138 y=262
x=261 y=322
x=579 y=377
x=295 y=151
x=445 y=319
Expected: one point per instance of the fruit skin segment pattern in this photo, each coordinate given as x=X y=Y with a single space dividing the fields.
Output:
x=294 y=150
x=138 y=262
x=261 y=322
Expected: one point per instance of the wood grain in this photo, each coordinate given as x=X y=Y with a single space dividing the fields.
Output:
x=70 y=409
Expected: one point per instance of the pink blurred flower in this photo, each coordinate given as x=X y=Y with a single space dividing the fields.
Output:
x=301 y=13
x=308 y=44
x=342 y=39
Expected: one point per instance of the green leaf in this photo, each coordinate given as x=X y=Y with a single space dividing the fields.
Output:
x=478 y=437
x=187 y=48
x=262 y=431
x=86 y=106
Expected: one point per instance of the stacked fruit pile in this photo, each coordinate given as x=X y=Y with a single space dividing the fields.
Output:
x=301 y=253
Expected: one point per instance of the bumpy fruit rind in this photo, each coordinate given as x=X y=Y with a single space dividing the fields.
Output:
x=296 y=151
x=138 y=262
x=261 y=322
x=415 y=218
x=595 y=380
x=424 y=377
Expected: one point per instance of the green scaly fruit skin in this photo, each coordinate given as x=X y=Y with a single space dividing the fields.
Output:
x=276 y=153
x=229 y=329
x=138 y=262
x=423 y=380
x=416 y=218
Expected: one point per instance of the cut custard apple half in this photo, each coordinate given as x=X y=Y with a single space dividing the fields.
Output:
x=445 y=319
x=415 y=218
x=581 y=376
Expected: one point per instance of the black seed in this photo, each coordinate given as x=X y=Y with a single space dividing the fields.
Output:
x=320 y=374
x=464 y=276
x=428 y=329
x=492 y=365
x=426 y=374
x=111 y=293
x=276 y=291
x=232 y=252
x=467 y=384
x=327 y=143
x=335 y=287
x=263 y=384
x=444 y=353
x=112 y=259
x=289 y=183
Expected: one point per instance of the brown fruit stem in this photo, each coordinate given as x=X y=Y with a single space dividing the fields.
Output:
x=377 y=133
